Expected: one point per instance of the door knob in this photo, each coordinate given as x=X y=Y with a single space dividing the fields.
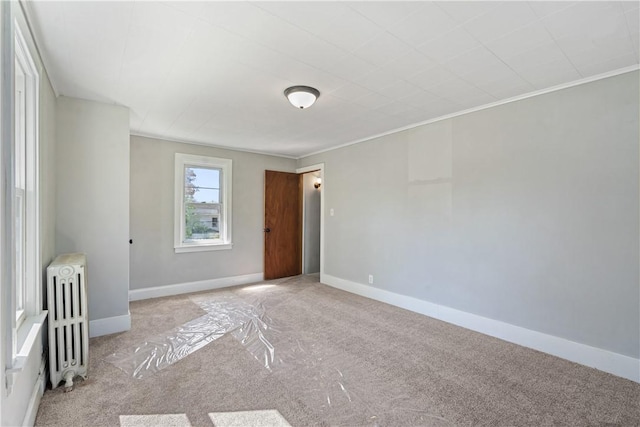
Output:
x=266 y=230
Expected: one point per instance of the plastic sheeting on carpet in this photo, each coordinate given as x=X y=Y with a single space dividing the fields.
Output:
x=224 y=314
x=332 y=382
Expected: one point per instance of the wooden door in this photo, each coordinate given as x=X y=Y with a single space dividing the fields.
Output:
x=282 y=224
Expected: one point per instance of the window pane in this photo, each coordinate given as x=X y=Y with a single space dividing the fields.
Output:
x=20 y=126
x=202 y=203
x=20 y=249
x=206 y=177
x=20 y=187
x=203 y=184
x=202 y=221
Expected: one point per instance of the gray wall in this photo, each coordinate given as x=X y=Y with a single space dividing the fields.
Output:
x=153 y=261
x=92 y=201
x=311 y=223
x=525 y=213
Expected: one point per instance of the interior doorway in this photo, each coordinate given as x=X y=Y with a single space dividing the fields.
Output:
x=282 y=224
x=311 y=188
x=293 y=226
x=313 y=260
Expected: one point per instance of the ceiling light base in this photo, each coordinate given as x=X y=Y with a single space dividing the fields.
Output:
x=301 y=96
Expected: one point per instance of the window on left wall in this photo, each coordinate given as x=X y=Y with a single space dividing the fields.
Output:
x=25 y=200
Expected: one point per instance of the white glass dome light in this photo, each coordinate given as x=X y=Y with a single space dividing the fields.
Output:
x=301 y=96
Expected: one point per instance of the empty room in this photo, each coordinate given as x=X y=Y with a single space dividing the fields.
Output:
x=333 y=213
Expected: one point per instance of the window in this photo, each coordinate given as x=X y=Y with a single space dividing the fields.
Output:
x=20 y=202
x=26 y=259
x=202 y=203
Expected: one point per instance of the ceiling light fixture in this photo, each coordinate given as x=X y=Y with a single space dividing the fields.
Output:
x=301 y=96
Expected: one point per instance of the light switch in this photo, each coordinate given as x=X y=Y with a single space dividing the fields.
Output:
x=331 y=211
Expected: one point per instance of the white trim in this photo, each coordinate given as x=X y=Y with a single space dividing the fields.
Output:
x=302 y=225
x=201 y=285
x=323 y=189
x=312 y=168
x=604 y=360
x=7 y=308
x=36 y=396
x=28 y=335
x=204 y=144
x=202 y=247
x=33 y=277
x=109 y=325
x=484 y=107
x=225 y=215
x=29 y=332
x=19 y=52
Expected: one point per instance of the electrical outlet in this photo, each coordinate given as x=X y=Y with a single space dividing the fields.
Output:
x=371 y=279
x=331 y=211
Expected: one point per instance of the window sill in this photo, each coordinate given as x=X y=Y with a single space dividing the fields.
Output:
x=203 y=248
x=28 y=334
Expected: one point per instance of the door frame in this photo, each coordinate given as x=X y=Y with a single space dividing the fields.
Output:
x=300 y=171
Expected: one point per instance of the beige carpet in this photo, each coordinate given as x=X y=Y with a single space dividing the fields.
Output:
x=341 y=360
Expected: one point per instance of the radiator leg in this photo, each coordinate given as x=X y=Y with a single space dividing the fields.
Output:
x=68 y=380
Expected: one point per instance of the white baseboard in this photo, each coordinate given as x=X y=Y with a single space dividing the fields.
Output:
x=36 y=395
x=109 y=325
x=604 y=360
x=202 y=285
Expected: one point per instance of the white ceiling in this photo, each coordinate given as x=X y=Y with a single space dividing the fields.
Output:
x=215 y=72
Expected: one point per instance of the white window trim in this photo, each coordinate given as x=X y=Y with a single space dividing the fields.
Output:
x=25 y=326
x=225 y=242
x=32 y=269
